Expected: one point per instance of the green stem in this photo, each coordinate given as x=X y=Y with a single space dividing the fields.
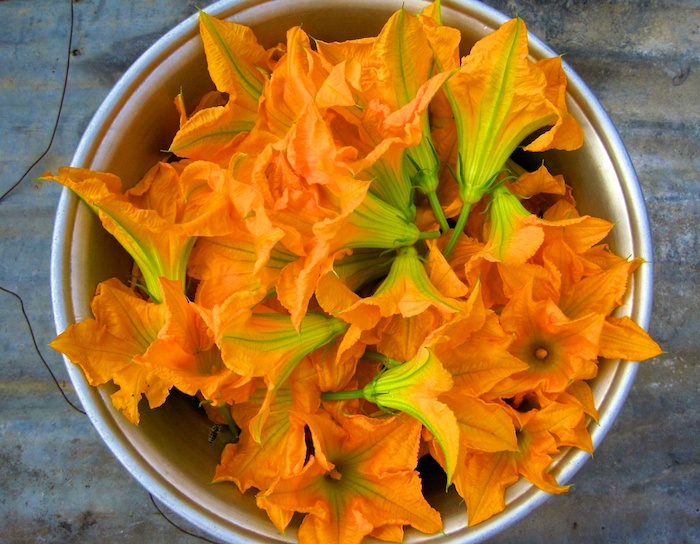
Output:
x=429 y=234
x=387 y=361
x=459 y=228
x=374 y=356
x=437 y=210
x=343 y=395
x=224 y=409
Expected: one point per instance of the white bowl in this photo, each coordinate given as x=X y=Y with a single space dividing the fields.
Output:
x=168 y=453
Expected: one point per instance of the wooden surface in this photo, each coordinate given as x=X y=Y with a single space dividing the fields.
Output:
x=59 y=483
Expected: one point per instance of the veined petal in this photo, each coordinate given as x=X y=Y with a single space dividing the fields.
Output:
x=558 y=350
x=540 y=191
x=127 y=316
x=109 y=341
x=602 y=257
x=338 y=89
x=236 y=62
x=401 y=338
x=361 y=475
x=159 y=249
x=295 y=81
x=314 y=155
x=103 y=194
x=374 y=224
x=135 y=382
x=509 y=239
x=481 y=365
x=537 y=443
x=531 y=184
x=407 y=59
x=266 y=343
x=483 y=426
x=413 y=387
x=282 y=452
x=212 y=134
x=159 y=239
x=335 y=297
x=406 y=291
x=498 y=98
x=579 y=233
x=599 y=293
x=299 y=279
x=409 y=288
x=226 y=264
x=336 y=363
x=483 y=483
x=184 y=353
x=359 y=49
x=444 y=40
x=262 y=342
x=535 y=458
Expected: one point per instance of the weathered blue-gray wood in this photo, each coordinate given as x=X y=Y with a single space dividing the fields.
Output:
x=59 y=483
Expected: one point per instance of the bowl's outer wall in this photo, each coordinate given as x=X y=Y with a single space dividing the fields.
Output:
x=168 y=452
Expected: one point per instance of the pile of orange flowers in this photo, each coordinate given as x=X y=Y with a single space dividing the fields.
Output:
x=343 y=263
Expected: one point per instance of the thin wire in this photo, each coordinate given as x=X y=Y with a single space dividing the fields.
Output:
x=202 y=538
x=36 y=347
x=58 y=114
x=16 y=184
x=19 y=298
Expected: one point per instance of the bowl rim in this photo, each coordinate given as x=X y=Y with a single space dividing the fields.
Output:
x=101 y=416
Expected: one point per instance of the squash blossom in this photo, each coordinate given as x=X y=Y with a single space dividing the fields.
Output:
x=413 y=387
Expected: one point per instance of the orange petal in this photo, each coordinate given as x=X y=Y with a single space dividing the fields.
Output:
x=442 y=275
x=213 y=133
x=110 y=346
x=483 y=481
x=282 y=452
x=498 y=98
x=406 y=56
x=622 y=338
x=413 y=387
x=599 y=293
x=235 y=60
x=483 y=426
x=364 y=476
x=566 y=133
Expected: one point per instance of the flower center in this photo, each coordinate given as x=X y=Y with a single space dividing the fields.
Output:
x=334 y=474
x=541 y=354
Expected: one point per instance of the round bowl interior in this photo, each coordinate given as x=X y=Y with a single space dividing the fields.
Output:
x=169 y=452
